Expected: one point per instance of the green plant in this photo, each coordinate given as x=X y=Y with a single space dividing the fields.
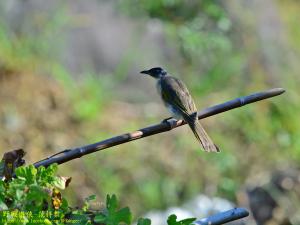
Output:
x=34 y=194
x=33 y=197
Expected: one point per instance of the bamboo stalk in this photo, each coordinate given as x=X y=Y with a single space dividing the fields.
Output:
x=70 y=154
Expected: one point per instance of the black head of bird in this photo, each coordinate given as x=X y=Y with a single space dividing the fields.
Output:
x=156 y=72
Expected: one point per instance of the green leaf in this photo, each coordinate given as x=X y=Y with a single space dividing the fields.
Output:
x=16 y=190
x=61 y=182
x=114 y=216
x=144 y=221
x=2 y=190
x=35 y=197
x=123 y=215
x=90 y=198
x=87 y=202
x=18 y=194
x=100 y=218
x=64 y=206
x=3 y=206
x=172 y=220
x=51 y=170
x=187 y=221
x=28 y=173
x=46 y=177
x=111 y=203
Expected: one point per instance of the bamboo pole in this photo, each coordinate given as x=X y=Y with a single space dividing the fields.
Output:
x=166 y=125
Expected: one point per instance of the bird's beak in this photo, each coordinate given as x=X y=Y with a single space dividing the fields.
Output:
x=145 y=72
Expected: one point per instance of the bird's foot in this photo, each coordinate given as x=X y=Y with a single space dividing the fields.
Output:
x=171 y=122
x=166 y=120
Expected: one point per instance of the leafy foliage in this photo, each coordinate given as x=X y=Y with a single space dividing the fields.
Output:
x=33 y=197
x=112 y=215
x=32 y=189
x=144 y=221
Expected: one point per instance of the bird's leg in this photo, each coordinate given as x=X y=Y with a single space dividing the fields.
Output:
x=172 y=122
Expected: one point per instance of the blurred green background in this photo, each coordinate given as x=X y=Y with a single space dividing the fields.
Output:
x=69 y=76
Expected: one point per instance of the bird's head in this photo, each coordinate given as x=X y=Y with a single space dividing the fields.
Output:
x=155 y=72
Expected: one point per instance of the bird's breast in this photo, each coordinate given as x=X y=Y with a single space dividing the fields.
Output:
x=175 y=113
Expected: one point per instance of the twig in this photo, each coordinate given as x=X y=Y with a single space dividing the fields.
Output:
x=70 y=154
x=224 y=217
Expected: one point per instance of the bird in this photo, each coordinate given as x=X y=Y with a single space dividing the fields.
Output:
x=179 y=102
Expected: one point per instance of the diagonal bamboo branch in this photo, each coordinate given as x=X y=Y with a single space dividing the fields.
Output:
x=70 y=154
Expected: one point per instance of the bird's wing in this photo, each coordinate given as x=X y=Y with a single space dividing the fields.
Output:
x=176 y=93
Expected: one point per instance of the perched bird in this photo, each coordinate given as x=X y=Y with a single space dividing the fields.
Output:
x=180 y=103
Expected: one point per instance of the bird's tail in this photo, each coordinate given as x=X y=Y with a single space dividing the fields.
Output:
x=201 y=134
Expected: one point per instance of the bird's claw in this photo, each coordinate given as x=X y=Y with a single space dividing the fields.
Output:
x=171 y=122
x=166 y=120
